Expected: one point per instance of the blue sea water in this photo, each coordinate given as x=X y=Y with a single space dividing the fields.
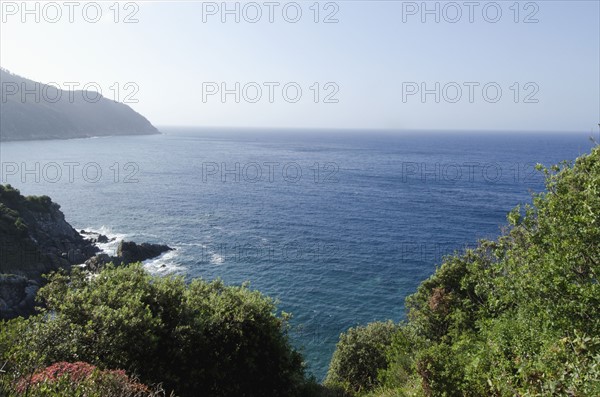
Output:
x=339 y=227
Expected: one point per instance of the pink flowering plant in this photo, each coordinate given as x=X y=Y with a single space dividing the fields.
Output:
x=80 y=379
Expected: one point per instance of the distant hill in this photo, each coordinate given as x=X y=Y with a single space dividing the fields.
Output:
x=58 y=114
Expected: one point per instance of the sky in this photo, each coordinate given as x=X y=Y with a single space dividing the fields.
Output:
x=432 y=65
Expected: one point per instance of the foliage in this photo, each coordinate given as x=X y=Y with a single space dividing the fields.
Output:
x=221 y=340
x=77 y=380
x=9 y=193
x=13 y=205
x=359 y=355
x=40 y=203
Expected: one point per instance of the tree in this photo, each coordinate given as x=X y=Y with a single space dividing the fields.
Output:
x=359 y=356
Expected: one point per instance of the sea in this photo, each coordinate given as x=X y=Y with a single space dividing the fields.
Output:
x=338 y=226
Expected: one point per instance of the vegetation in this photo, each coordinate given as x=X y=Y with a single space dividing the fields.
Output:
x=40 y=203
x=77 y=380
x=225 y=341
x=360 y=354
x=14 y=229
x=515 y=316
x=13 y=196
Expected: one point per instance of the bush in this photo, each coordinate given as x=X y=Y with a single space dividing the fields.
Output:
x=9 y=192
x=75 y=380
x=360 y=354
x=194 y=338
x=40 y=203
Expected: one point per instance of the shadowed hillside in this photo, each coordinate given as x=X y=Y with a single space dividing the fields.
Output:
x=31 y=110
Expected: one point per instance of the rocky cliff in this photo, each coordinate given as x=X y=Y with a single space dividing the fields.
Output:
x=35 y=239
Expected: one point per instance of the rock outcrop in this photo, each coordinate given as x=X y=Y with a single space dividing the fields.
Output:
x=131 y=252
x=95 y=237
x=35 y=239
x=127 y=252
x=17 y=295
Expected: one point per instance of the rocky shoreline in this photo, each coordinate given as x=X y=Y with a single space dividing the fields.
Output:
x=127 y=252
x=35 y=239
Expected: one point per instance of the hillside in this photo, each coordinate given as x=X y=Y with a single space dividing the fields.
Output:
x=58 y=114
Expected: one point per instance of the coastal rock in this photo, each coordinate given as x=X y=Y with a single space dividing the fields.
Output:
x=127 y=252
x=95 y=237
x=17 y=296
x=97 y=262
x=130 y=252
x=35 y=239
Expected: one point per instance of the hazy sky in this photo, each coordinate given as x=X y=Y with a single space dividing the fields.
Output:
x=494 y=70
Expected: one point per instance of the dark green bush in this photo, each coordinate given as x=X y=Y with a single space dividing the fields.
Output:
x=8 y=192
x=359 y=356
x=39 y=203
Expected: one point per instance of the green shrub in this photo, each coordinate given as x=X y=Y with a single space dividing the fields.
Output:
x=39 y=203
x=359 y=356
x=198 y=337
x=9 y=192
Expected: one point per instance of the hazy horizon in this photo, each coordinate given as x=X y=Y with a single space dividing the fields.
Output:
x=363 y=65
